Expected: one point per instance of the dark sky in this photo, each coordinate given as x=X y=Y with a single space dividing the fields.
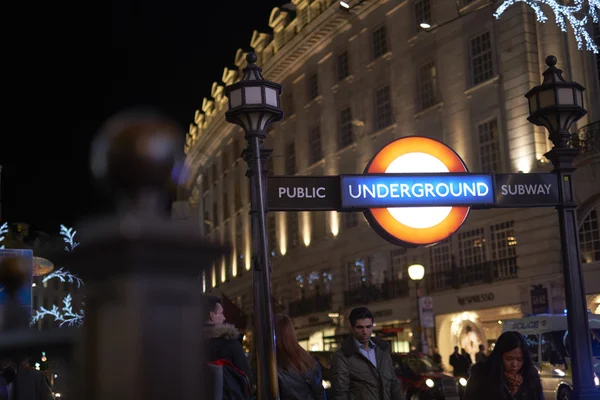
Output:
x=73 y=64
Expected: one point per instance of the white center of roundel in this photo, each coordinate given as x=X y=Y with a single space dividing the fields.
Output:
x=418 y=217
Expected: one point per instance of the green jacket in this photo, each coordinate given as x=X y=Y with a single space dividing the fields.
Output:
x=354 y=377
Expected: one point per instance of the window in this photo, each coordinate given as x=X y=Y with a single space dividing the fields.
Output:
x=589 y=238
x=427 y=85
x=208 y=223
x=272 y=234
x=422 y=11
x=290 y=159
x=343 y=67
x=503 y=241
x=482 y=67
x=215 y=173
x=240 y=243
x=553 y=347
x=399 y=262
x=315 y=149
x=288 y=104
x=326 y=278
x=319 y=226
x=379 y=37
x=440 y=256
x=489 y=147
x=357 y=273
x=346 y=134
x=383 y=108
x=377 y=268
x=300 y=287
x=349 y=220
x=471 y=247
x=215 y=218
x=313 y=86
x=225 y=197
x=292 y=228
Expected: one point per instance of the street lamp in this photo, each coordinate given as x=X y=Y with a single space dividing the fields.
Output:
x=556 y=105
x=416 y=272
x=253 y=104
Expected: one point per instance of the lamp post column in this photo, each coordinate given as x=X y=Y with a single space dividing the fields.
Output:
x=580 y=346
x=556 y=104
x=253 y=104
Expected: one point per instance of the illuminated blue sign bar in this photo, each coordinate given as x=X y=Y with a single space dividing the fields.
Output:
x=416 y=190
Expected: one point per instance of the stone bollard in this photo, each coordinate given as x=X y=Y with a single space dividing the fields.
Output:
x=142 y=334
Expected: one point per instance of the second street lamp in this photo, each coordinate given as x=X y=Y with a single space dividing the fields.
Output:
x=416 y=272
x=253 y=104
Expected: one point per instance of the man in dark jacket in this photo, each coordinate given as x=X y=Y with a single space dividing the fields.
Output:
x=458 y=363
x=363 y=368
x=223 y=342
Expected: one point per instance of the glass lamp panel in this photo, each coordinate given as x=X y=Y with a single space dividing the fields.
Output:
x=579 y=97
x=565 y=96
x=532 y=103
x=253 y=95
x=271 y=97
x=254 y=120
x=546 y=98
x=235 y=98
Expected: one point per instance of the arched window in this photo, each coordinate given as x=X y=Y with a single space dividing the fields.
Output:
x=589 y=238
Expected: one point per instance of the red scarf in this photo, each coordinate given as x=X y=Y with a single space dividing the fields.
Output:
x=514 y=381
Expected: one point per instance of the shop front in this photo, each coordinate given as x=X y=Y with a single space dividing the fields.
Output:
x=471 y=318
x=312 y=331
x=593 y=302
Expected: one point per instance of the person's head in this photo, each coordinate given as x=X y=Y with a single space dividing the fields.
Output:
x=213 y=310
x=481 y=348
x=456 y=349
x=361 y=321
x=290 y=355
x=511 y=355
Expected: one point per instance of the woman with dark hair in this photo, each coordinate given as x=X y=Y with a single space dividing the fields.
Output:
x=299 y=373
x=507 y=374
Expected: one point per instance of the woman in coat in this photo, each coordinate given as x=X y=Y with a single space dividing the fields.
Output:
x=298 y=372
x=507 y=374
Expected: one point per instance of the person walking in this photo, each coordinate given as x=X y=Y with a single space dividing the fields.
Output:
x=362 y=368
x=480 y=356
x=507 y=374
x=467 y=361
x=299 y=374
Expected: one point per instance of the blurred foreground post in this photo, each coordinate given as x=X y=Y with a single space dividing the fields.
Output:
x=142 y=334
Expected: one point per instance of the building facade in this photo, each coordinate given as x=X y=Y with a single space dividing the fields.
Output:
x=354 y=81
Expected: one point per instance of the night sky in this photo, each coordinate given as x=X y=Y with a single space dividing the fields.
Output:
x=73 y=64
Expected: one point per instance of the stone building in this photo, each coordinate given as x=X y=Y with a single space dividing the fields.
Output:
x=355 y=80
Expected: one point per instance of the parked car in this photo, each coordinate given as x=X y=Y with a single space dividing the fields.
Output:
x=423 y=380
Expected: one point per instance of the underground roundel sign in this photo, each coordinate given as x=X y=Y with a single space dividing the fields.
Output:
x=416 y=226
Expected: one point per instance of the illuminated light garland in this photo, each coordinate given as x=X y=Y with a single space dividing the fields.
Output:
x=563 y=13
x=65 y=314
x=3 y=231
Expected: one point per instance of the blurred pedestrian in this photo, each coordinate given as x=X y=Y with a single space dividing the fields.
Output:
x=224 y=348
x=18 y=381
x=467 y=361
x=436 y=357
x=507 y=374
x=363 y=368
x=457 y=362
x=300 y=375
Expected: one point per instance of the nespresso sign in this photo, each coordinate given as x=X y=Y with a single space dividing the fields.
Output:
x=477 y=298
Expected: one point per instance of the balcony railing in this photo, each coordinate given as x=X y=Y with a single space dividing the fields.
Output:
x=317 y=303
x=371 y=293
x=587 y=138
x=487 y=272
